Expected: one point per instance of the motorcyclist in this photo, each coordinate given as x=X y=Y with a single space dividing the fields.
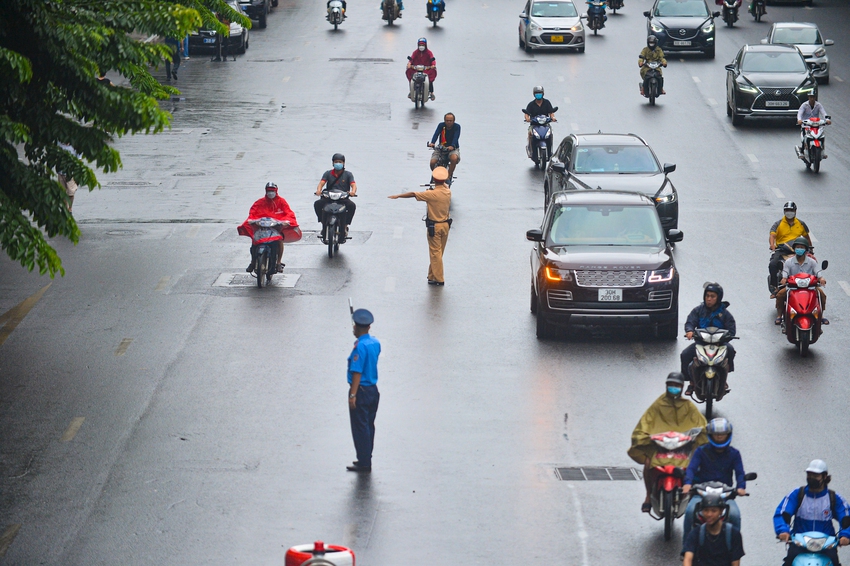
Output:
x=811 y=109
x=270 y=206
x=711 y=312
x=422 y=56
x=813 y=507
x=430 y=3
x=717 y=541
x=670 y=412
x=715 y=462
x=651 y=53
x=538 y=107
x=338 y=179
x=448 y=135
x=800 y=263
x=400 y=8
x=782 y=233
x=344 y=7
x=752 y=8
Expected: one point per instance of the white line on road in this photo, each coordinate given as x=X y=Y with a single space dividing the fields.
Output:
x=163 y=283
x=72 y=429
x=398 y=232
x=712 y=102
x=581 y=533
x=560 y=79
x=839 y=79
x=846 y=286
x=753 y=158
x=681 y=60
x=240 y=155
x=389 y=286
x=696 y=79
x=122 y=347
x=777 y=192
x=218 y=190
x=286 y=79
x=574 y=126
x=7 y=537
x=193 y=231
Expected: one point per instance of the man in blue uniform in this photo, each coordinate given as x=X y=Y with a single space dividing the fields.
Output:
x=363 y=393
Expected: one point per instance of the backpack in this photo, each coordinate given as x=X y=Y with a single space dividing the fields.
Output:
x=801 y=493
x=727 y=530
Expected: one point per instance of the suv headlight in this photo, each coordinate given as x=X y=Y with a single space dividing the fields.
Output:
x=666 y=195
x=744 y=87
x=820 y=52
x=661 y=275
x=555 y=274
x=708 y=28
x=806 y=89
x=656 y=27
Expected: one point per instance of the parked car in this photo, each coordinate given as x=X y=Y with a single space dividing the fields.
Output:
x=767 y=80
x=808 y=39
x=551 y=24
x=682 y=25
x=204 y=39
x=602 y=258
x=258 y=9
x=613 y=162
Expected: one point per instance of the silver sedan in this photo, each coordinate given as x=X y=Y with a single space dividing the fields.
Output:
x=809 y=41
x=551 y=24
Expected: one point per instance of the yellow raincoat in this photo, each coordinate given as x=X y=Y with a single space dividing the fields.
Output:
x=665 y=414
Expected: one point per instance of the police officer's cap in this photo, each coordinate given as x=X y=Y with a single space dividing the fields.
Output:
x=362 y=317
x=440 y=173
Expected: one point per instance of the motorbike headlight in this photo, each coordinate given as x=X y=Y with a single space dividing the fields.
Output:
x=656 y=27
x=661 y=275
x=708 y=28
x=555 y=274
x=805 y=90
x=820 y=52
x=814 y=544
x=534 y=27
x=577 y=27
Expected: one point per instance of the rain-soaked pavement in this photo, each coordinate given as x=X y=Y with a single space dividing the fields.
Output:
x=157 y=408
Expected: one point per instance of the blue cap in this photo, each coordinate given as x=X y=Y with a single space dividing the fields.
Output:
x=362 y=317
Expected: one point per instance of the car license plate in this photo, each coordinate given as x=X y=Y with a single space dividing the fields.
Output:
x=556 y=38
x=209 y=40
x=777 y=104
x=682 y=43
x=610 y=295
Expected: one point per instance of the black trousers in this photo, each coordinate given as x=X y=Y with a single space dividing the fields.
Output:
x=775 y=265
x=689 y=353
x=362 y=418
x=350 y=208
x=794 y=551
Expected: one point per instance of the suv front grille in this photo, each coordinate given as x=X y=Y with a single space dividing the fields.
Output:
x=769 y=95
x=610 y=278
x=559 y=299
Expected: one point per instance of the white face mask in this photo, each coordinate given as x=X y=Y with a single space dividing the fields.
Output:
x=271 y=194
x=790 y=215
x=421 y=48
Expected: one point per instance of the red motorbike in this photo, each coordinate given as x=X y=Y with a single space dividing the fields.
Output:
x=803 y=311
x=668 y=501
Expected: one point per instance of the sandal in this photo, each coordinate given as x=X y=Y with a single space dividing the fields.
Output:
x=824 y=321
x=779 y=318
x=646 y=507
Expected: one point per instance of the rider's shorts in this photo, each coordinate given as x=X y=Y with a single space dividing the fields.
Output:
x=436 y=154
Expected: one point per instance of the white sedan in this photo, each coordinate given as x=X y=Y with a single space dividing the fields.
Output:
x=551 y=24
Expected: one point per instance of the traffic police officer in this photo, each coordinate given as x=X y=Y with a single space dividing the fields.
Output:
x=363 y=393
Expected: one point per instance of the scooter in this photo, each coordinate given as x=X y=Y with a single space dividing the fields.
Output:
x=539 y=147
x=435 y=10
x=758 y=8
x=335 y=13
x=803 y=311
x=391 y=11
x=652 y=82
x=267 y=233
x=442 y=161
x=813 y=141
x=334 y=230
x=730 y=11
x=814 y=542
x=668 y=501
x=419 y=96
x=710 y=368
x=596 y=17
x=615 y=5
x=726 y=492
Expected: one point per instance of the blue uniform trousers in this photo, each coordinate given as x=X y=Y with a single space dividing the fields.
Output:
x=363 y=423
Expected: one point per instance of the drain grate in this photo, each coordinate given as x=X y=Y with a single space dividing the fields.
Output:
x=362 y=59
x=597 y=474
x=287 y=280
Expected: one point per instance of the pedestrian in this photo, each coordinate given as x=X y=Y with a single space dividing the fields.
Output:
x=174 y=46
x=186 y=48
x=363 y=395
x=68 y=183
x=715 y=542
x=222 y=42
x=438 y=221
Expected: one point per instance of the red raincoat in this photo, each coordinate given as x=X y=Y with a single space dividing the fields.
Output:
x=276 y=208
x=422 y=58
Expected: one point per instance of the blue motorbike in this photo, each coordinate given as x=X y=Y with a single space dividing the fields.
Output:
x=596 y=17
x=435 y=10
x=814 y=544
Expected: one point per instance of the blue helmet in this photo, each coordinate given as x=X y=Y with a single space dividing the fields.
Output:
x=719 y=426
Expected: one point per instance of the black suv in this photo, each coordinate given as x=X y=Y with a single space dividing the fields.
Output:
x=602 y=258
x=258 y=9
x=682 y=25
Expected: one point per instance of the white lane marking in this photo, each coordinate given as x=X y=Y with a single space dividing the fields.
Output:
x=812 y=238
x=581 y=532
x=72 y=429
x=122 y=347
x=777 y=192
x=240 y=155
x=163 y=283
x=681 y=60
x=389 y=286
x=398 y=232
x=218 y=190
x=846 y=286
x=839 y=79
x=696 y=79
x=638 y=350
x=7 y=537
x=286 y=79
x=574 y=126
x=567 y=100
x=753 y=158
x=712 y=102
x=193 y=231
x=560 y=79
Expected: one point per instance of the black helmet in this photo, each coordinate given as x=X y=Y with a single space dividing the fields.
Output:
x=790 y=205
x=338 y=157
x=801 y=241
x=652 y=42
x=537 y=89
x=271 y=186
x=675 y=377
x=713 y=500
x=712 y=287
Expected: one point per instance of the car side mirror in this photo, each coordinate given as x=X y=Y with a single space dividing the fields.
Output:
x=669 y=168
x=764 y=41
x=523 y=15
x=646 y=15
x=829 y=42
x=559 y=167
x=751 y=476
x=730 y=67
x=824 y=264
x=715 y=15
x=534 y=235
x=674 y=235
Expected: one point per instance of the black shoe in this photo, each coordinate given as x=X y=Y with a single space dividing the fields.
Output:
x=218 y=59
x=251 y=267
x=174 y=74
x=359 y=468
x=690 y=390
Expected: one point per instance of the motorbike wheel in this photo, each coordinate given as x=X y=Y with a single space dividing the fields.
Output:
x=803 y=344
x=758 y=15
x=669 y=515
x=333 y=241
x=709 y=401
x=652 y=93
x=262 y=269
x=542 y=158
x=816 y=158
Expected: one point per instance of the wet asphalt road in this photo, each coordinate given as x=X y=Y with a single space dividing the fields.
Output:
x=214 y=426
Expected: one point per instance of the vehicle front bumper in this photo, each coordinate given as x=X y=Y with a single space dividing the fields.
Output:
x=755 y=104
x=700 y=42
x=542 y=39
x=819 y=66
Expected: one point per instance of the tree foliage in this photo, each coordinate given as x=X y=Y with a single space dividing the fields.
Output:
x=51 y=55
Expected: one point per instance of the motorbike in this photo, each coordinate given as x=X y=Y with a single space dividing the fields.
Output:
x=435 y=10
x=709 y=370
x=391 y=11
x=652 y=81
x=615 y=5
x=596 y=17
x=333 y=220
x=803 y=311
x=725 y=492
x=814 y=542
x=539 y=147
x=419 y=94
x=730 y=11
x=335 y=15
x=668 y=501
x=813 y=141
x=267 y=233
x=758 y=9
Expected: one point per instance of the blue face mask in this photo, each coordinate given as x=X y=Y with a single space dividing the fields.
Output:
x=338 y=166
x=800 y=251
x=538 y=95
x=674 y=391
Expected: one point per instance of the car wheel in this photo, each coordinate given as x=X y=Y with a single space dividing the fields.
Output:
x=521 y=43
x=274 y=3
x=728 y=109
x=243 y=45
x=737 y=119
x=545 y=330
x=709 y=53
x=823 y=80
x=262 y=20
x=546 y=195
x=581 y=49
x=533 y=299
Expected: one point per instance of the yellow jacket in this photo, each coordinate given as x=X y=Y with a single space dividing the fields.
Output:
x=665 y=414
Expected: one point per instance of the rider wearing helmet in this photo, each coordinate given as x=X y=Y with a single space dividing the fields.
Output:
x=715 y=461
x=813 y=507
x=800 y=263
x=270 y=206
x=670 y=412
x=710 y=312
x=400 y=8
x=422 y=56
x=537 y=107
x=651 y=53
x=782 y=233
x=341 y=180
x=715 y=541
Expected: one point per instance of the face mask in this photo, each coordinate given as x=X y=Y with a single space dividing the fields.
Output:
x=338 y=166
x=790 y=215
x=271 y=194
x=538 y=95
x=674 y=391
x=421 y=48
x=800 y=251
x=815 y=484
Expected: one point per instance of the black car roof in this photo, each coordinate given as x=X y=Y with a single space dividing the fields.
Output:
x=597 y=197
x=608 y=139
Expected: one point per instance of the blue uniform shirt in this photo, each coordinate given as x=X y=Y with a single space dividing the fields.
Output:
x=707 y=464
x=364 y=360
x=811 y=514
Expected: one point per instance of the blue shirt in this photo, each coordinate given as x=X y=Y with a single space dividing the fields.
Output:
x=452 y=136
x=812 y=514
x=364 y=360
x=707 y=464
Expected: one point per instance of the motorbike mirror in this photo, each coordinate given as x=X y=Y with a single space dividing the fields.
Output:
x=555 y=109
x=824 y=264
x=669 y=167
x=674 y=235
x=715 y=15
x=559 y=167
x=409 y=58
x=646 y=15
x=829 y=42
x=730 y=67
x=829 y=117
x=751 y=476
x=678 y=472
x=534 y=235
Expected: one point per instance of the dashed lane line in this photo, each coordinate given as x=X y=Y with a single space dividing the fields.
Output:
x=163 y=283
x=218 y=190
x=13 y=317
x=753 y=158
x=286 y=79
x=839 y=79
x=696 y=79
x=843 y=284
x=711 y=101
x=7 y=537
x=72 y=429
x=122 y=347
x=777 y=192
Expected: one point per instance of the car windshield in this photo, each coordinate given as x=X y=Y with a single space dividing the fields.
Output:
x=675 y=8
x=605 y=226
x=615 y=159
x=553 y=10
x=786 y=62
x=798 y=36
